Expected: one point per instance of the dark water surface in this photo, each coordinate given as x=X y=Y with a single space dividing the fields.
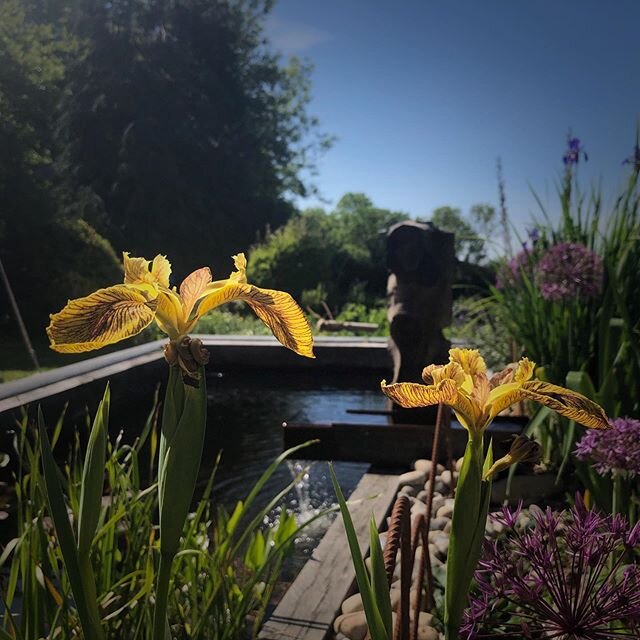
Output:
x=246 y=412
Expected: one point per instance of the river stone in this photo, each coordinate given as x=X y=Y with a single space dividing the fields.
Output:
x=408 y=490
x=419 y=508
x=459 y=464
x=422 y=496
x=425 y=465
x=439 y=486
x=353 y=625
x=427 y=632
x=413 y=478
x=445 y=511
x=438 y=501
x=438 y=524
x=441 y=541
x=352 y=604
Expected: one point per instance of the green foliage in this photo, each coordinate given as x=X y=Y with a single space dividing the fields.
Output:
x=374 y=590
x=476 y=324
x=225 y=322
x=201 y=129
x=467 y=530
x=597 y=335
x=226 y=570
x=473 y=232
x=115 y=131
x=336 y=257
x=74 y=258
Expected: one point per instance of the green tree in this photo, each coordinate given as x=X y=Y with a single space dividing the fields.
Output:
x=338 y=256
x=472 y=232
x=188 y=129
x=48 y=256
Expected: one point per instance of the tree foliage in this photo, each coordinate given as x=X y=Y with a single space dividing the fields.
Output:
x=186 y=126
x=145 y=126
x=473 y=233
x=47 y=255
x=337 y=257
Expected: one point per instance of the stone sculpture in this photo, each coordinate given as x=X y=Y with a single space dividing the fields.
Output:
x=421 y=261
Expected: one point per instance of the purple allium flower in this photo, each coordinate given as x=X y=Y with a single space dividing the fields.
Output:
x=615 y=449
x=566 y=576
x=634 y=158
x=574 y=151
x=510 y=273
x=569 y=270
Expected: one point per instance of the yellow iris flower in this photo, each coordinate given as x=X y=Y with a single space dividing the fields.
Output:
x=124 y=310
x=476 y=399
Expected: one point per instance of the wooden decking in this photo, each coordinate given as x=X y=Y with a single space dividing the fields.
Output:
x=310 y=605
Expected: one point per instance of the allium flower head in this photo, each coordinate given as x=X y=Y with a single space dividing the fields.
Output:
x=563 y=577
x=569 y=270
x=510 y=273
x=574 y=151
x=615 y=449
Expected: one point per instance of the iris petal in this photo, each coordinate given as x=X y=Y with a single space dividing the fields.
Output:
x=278 y=310
x=568 y=403
x=101 y=318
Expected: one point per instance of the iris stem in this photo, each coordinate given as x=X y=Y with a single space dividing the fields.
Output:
x=160 y=630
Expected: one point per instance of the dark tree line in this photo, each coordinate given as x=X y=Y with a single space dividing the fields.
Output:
x=147 y=126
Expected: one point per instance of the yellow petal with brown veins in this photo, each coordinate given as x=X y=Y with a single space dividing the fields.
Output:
x=142 y=271
x=192 y=287
x=278 y=310
x=104 y=317
x=412 y=395
x=568 y=403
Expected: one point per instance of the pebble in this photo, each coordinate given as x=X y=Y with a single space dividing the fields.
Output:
x=438 y=486
x=415 y=478
x=408 y=490
x=352 y=604
x=437 y=502
x=418 y=508
x=445 y=511
x=425 y=465
x=441 y=542
x=438 y=524
x=352 y=625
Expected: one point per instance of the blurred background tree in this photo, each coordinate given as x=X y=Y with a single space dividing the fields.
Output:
x=141 y=126
x=335 y=257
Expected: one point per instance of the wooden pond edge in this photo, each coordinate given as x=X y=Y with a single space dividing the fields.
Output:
x=312 y=602
x=332 y=352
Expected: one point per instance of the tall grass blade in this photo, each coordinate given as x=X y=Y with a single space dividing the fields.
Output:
x=87 y=609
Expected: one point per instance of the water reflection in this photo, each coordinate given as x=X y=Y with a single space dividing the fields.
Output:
x=246 y=412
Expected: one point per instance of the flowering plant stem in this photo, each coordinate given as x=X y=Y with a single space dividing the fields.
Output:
x=467 y=531
x=181 y=442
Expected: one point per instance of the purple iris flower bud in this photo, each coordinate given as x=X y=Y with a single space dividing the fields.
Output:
x=634 y=158
x=573 y=152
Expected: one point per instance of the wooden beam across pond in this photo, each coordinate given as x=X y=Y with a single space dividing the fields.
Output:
x=310 y=605
x=389 y=445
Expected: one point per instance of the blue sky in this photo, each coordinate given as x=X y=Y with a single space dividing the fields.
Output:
x=423 y=96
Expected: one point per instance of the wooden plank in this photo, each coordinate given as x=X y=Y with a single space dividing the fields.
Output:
x=389 y=445
x=309 y=607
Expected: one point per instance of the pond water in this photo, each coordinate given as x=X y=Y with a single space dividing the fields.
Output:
x=246 y=412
